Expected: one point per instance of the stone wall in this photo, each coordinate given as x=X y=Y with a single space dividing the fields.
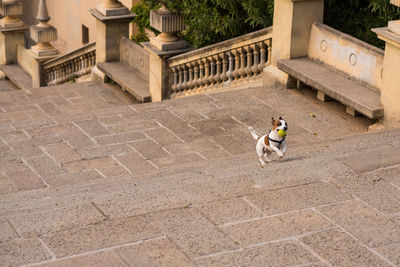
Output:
x=348 y=54
x=135 y=56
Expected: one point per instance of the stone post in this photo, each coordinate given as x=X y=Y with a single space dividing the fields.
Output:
x=292 y=27
x=112 y=23
x=162 y=47
x=11 y=31
x=42 y=33
x=390 y=92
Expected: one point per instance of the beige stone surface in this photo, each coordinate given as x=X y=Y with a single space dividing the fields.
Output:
x=23 y=251
x=273 y=254
x=160 y=252
x=341 y=249
x=193 y=233
x=101 y=235
x=6 y=231
x=229 y=211
x=275 y=228
x=363 y=222
x=299 y=197
x=98 y=259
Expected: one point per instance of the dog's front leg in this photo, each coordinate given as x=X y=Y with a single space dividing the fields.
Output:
x=277 y=150
x=284 y=148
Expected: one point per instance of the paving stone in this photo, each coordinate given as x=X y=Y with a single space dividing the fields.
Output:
x=90 y=164
x=111 y=120
x=396 y=218
x=6 y=185
x=120 y=138
x=113 y=171
x=92 y=127
x=228 y=211
x=193 y=233
x=58 y=219
x=187 y=114
x=391 y=252
x=273 y=254
x=79 y=178
x=22 y=251
x=134 y=163
x=299 y=197
x=11 y=165
x=104 y=151
x=6 y=231
x=373 y=189
x=149 y=149
x=274 y=228
x=98 y=259
x=25 y=179
x=164 y=162
x=44 y=165
x=15 y=137
x=133 y=126
x=340 y=249
x=363 y=222
x=391 y=175
x=101 y=235
x=31 y=147
x=373 y=160
x=50 y=109
x=162 y=136
x=173 y=193
x=62 y=153
x=160 y=252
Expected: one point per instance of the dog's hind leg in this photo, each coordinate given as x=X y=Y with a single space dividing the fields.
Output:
x=267 y=154
x=260 y=153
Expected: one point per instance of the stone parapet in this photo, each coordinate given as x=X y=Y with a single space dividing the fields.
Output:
x=11 y=10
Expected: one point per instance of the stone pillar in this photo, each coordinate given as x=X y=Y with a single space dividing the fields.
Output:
x=292 y=27
x=162 y=47
x=11 y=31
x=42 y=33
x=390 y=92
x=112 y=23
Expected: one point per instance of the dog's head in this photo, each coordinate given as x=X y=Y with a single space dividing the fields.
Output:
x=280 y=124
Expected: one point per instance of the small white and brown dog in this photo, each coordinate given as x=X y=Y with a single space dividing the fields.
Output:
x=272 y=142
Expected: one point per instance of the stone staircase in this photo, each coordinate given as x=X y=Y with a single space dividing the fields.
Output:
x=86 y=178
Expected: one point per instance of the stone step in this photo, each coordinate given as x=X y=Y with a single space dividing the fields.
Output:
x=17 y=75
x=336 y=85
x=7 y=85
x=129 y=79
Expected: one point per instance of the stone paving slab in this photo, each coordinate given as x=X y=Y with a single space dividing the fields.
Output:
x=272 y=254
x=363 y=222
x=340 y=249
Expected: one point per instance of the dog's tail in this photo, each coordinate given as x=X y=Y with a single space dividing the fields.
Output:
x=253 y=133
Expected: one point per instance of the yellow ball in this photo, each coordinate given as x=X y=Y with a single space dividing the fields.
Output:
x=282 y=133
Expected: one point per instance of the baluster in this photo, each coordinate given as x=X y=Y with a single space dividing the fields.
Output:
x=206 y=71
x=93 y=58
x=269 y=44
x=242 y=70
x=185 y=77
x=224 y=75
x=180 y=74
x=190 y=82
x=263 y=56
x=201 y=73
x=231 y=60
x=176 y=80
x=256 y=60
x=211 y=78
x=236 y=72
x=196 y=75
x=217 y=76
x=249 y=53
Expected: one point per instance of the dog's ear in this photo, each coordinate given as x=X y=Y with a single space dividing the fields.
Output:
x=272 y=121
x=280 y=118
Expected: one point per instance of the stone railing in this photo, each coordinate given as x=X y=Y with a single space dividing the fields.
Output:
x=70 y=66
x=228 y=64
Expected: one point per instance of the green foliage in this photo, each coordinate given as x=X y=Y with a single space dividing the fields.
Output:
x=211 y=21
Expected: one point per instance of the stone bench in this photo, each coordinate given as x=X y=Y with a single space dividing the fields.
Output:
x=336 y=85
x=341 y=67
x=128 y=78
x=17 y=76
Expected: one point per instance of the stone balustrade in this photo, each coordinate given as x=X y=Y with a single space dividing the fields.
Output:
x=69 y=66
x=231 y=63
